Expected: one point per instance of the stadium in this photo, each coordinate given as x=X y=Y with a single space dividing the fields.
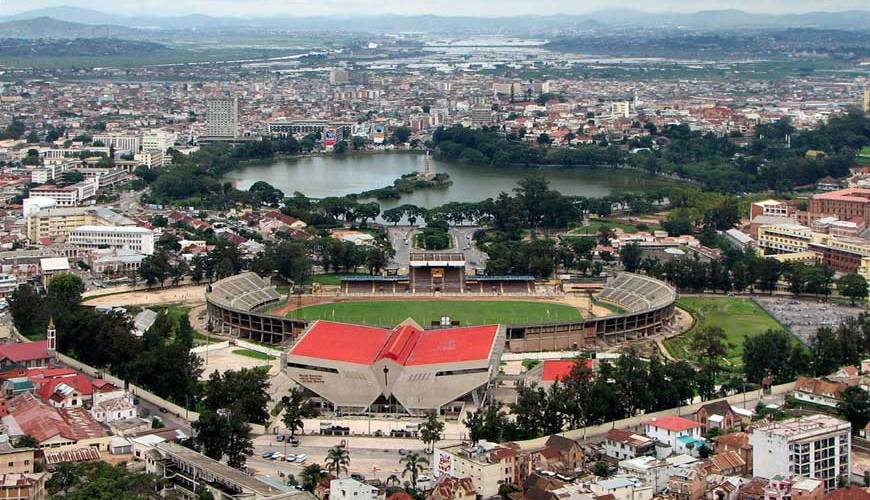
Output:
x=405 y=368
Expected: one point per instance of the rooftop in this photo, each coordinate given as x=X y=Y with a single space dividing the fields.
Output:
x=406 y=345
x=672 y=423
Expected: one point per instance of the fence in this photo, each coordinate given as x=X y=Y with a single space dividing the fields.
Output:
x=635 y=423
x=152 y=398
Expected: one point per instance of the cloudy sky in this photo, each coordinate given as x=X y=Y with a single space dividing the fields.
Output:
x=258 y=8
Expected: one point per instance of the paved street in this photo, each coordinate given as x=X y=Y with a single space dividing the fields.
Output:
x=401 y=237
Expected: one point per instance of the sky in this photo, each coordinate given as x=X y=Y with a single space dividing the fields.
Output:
x=486 y=8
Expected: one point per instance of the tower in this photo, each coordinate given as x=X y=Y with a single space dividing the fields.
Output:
x=51 y=335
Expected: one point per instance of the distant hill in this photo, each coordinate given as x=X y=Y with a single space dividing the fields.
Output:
x=46 y=27
x=78 y=47
x=711 y=19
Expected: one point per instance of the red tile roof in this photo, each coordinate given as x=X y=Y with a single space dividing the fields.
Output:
x=673 y=423
x=557 y=369
x=25 y=351
x=406 y=345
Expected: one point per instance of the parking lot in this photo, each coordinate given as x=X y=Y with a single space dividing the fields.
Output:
x=805 y=316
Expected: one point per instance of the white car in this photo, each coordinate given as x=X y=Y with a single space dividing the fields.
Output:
x=277 y=456
x=291 y=458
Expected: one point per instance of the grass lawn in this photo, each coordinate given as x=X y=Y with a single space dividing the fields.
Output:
x=393 y=312
x=595 y=224
x=738 y=317
x=863 y=157
x=253 y=354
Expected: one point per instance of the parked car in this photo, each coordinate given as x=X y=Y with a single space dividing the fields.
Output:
x=403 y=451
x=277 y=456
x=291 y=458
x=267 y=454
x=280 y=437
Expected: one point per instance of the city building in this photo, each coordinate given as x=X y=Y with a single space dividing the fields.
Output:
x=124 y=143
x=132 y=238
x=15 y=460
x=222 y=117
x=842 y=253
x=681 y=435
x=28 y=486
x=818 y=391
x=56 y=222
x=816 y=446
x=620 y=109
x=151 y=158
x=158 y=140
x=488 y=465
x=339 y=77
x=784 y=238
x=844 y=204
x=192 y=474
x=406 y=369
x=68 y=196
x=622 y=444
x=348 y=488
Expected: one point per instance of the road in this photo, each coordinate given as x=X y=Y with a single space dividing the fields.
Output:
x=401 y=237
x=372 y=457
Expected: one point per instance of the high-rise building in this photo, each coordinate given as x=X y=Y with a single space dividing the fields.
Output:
x=867 y=100
x=222 y=117
x=816 y=446
x=620 y=109
x=126 y=143
x=339 y=77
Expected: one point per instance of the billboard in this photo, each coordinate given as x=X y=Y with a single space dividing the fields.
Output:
x=330 y=138
x=379 y=134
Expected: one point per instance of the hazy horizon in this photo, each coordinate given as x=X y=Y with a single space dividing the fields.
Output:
x=475 y=8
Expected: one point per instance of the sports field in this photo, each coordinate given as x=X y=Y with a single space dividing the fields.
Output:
x=738 y=317
x=480 y=312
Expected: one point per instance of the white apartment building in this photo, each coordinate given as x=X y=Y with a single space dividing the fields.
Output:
x=620 y=109
x=68 y=196
x=649 y=470
x=784 y=238
x=683 y=436
x=124 y=143
x=136 y=239
x=222 y=117
x=350 y=489
x=151 y=158
x=816 y=446
x=158 y=140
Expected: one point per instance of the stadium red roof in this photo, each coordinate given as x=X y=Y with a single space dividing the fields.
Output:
x=557 y=369
x=452 y=345
x=342 y=342
x=406 y=345
x=672 y=423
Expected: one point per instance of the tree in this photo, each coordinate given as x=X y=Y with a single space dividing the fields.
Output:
x=340 y=148
x=224 y=432
x=296 y=407
x=631 y=256
x=358 y=143
x=431 y=431
x=65 y=290
x=246 y=390
x=26 y=441
x=602 y=469
x=65 y=477
x=770 y=353
x=853 y=286
x=28 y=311
x=337 y=460
x=311 y=475
x=709 y=344
x=414 y=465
x=400 y=135
x=855 y=407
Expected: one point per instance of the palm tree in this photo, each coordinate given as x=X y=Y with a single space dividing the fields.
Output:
x=337 y=460
x=393 y=480
x=310 y=476
x=414 y=465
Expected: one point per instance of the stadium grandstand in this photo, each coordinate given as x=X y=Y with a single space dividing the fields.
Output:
x=232 y=304
x=357 y=369
x=437 y=273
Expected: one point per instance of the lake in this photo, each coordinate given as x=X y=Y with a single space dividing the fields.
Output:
x=331 y=175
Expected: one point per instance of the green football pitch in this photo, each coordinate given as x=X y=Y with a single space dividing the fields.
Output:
x=480 y=312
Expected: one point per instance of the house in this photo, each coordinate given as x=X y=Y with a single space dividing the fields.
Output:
x=764 y=489
x=819 y=391
x=737 y=442
x=807 y=489
x=650 y=470
x=350 y=489
x=687 y=483
x=53 y=427
x=569 y=452
x=25 y=355
x=717 y=415
x=24 y=486
x=849 y=493
x=680 y=434
x=726 y=463
x=451 y=488
x=723 y=487
x=622 y=488
x=110 y=410
x=621 y=444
